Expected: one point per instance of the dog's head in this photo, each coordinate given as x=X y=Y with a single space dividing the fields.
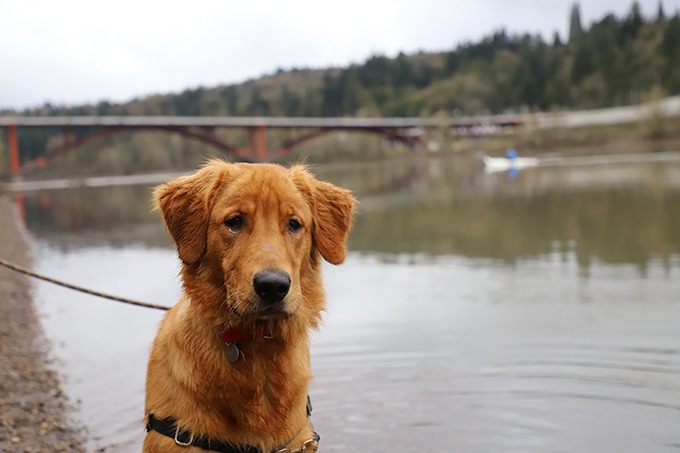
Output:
x=250 y=235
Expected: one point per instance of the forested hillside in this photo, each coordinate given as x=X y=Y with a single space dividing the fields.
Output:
x=614 y=61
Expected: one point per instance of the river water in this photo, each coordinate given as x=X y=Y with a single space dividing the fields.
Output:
x=477 y=312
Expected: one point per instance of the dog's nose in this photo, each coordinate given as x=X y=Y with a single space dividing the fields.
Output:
x=271 y=285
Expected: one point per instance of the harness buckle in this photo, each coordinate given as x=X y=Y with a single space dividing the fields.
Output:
x=308 y=446
x=311 y=445
x=183 y=444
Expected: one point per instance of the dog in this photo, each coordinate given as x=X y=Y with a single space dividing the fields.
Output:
x=230 y=365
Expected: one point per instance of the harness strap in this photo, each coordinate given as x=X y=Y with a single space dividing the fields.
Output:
x=168 y=427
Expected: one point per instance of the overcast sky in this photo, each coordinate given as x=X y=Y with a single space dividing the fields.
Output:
x=84 y=51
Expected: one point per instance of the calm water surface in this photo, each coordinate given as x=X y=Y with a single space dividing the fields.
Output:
x=537 y=312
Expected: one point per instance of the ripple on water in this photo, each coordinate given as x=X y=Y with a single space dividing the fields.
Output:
x=510 y=397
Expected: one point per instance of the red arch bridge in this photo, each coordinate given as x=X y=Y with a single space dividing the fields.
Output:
x=406 y=130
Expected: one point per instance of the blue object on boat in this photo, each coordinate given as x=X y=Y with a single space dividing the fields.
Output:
x=512 y=153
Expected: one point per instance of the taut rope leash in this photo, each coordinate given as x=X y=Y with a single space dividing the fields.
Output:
x=21 y=270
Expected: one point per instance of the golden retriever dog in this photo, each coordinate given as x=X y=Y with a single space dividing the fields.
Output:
x=230 y=366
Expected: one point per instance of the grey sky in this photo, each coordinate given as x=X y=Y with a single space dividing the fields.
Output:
x=78 y=51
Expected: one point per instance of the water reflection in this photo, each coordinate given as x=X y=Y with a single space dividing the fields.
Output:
x=624 y=214
x=85 y=217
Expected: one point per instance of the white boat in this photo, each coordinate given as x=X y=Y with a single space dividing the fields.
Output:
x=492 y=164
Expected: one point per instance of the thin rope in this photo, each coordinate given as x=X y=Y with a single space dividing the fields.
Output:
x=21 y=270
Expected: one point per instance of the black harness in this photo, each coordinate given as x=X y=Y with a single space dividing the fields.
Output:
x=168 y=427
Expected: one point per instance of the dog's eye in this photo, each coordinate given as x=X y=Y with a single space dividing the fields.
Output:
x=235 y=224
x=294 y=226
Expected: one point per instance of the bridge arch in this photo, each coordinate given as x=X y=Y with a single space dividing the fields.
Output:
x=71 y=145
x=286 y=146
x=207 y=138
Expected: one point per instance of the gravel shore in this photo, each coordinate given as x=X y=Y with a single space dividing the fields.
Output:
x=35 y=413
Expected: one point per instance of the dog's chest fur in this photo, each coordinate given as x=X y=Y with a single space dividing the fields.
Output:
x=259 y=393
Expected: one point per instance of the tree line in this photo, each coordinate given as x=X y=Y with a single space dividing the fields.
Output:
x=616 y=61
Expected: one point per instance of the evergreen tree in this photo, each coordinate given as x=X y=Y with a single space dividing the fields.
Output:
x=670 y=51
x=633 y=23
x=330 y=99
x=660 y=15
x=259 y=105
x=230 y=95
x=557 y=42
x=575 y=28
x=349 y=92
x=583 y=63
x=290 y=102
x=402 y=71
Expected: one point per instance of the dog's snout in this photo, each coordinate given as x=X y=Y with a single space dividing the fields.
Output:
x=271 y=285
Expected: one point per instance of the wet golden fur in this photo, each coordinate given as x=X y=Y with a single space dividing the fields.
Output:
x=261 y=399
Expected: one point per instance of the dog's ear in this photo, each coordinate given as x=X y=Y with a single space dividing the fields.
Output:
x=184 y=204
x=333 y=211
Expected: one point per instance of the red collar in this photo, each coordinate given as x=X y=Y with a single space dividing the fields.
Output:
x=232 y=335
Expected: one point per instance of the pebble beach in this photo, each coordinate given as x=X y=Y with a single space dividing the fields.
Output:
x=35 y=414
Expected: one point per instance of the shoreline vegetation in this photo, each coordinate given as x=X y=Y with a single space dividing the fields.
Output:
x=36 y=414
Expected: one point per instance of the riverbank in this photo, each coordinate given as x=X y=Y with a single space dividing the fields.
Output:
x=35 y=414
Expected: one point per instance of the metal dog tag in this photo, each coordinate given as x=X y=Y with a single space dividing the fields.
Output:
x=233 y=353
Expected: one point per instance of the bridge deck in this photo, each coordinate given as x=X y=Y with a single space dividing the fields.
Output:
x=269 y=122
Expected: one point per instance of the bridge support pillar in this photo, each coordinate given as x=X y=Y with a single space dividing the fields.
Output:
x=14 y=159
x=257 y=144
